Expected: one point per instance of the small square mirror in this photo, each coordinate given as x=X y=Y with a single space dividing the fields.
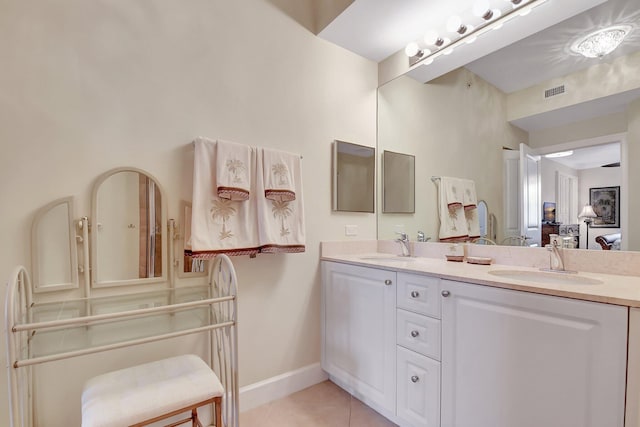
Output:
x=353 y=177
x=398 y=183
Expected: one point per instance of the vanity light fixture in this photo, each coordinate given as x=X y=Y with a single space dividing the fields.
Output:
x=559 y=154
x=601 y=42
x=489 y=18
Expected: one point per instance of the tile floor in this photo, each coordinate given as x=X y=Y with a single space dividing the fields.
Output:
x=323 y=405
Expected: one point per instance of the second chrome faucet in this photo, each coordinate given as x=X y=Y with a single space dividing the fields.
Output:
x=404 y=243
x=556 y=260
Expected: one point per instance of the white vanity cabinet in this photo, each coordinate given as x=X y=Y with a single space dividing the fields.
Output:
x=513 y=358
x=429 y=352
x=359 y=337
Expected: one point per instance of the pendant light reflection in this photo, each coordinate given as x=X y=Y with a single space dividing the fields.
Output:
x=602 y=42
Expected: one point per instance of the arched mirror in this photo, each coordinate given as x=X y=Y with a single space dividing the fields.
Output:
x=483 y=218
x=53 y=249
x=127 y=231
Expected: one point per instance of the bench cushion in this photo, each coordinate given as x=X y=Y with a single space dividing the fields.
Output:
x=128 y=396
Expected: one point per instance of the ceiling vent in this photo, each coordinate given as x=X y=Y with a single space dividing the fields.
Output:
x=554 y=91
x=612 y=165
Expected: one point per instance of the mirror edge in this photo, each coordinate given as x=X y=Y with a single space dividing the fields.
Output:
x=94 y=246
x=182 y=239
x=73 y=252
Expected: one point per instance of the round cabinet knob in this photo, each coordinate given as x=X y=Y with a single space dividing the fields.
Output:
x=415 y=333
x=415 y=294
x=388 y=282
x=415 y=379
x=446 y=293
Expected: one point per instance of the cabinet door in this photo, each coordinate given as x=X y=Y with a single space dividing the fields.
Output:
x=418 y=389
x=359 y=344
x=514 y=358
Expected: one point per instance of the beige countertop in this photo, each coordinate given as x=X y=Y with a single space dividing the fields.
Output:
x=614 y=289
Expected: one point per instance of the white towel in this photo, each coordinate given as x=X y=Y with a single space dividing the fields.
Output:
x=453 y=191
x=219 y=225
x=278 y=169
x=281 y=222
x=233 y=170
x=473 y=223
x=469 y=198
x=453 y=224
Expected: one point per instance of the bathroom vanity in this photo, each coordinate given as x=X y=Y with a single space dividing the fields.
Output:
x=431 y=343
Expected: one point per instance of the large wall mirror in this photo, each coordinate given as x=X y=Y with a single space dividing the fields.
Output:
x=458 y=125
x=53 y=247
x=353 y=177
x=128 y=243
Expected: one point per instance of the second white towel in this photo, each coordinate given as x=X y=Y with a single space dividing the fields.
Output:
x=278 y=171
x=281 y=222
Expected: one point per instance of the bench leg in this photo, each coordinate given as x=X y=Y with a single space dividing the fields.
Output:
x=195 y=422
x=218 y=407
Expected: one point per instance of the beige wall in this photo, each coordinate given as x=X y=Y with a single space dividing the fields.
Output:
x=602 y=126
x=90 y=86
x=455 y=126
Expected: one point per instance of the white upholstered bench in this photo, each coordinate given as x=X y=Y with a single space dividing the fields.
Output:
x=151 y=392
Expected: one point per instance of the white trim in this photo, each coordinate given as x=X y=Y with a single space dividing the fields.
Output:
x=581 y=143
x=277 y=387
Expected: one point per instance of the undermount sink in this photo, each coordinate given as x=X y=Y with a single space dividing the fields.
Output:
x=385 y=258
x=554 y=278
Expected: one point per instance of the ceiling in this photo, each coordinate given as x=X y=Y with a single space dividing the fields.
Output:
x=591 y=157
x=526 y=51
x=518 y=65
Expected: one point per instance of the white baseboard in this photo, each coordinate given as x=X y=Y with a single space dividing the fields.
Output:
x=280 y=386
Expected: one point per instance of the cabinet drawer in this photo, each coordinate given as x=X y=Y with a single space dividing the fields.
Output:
x=418 y=333
x=420 y=294
x=418 y=400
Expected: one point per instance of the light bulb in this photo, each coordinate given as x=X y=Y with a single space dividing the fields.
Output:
x=454 y=25
x=480 y=8
x=412 y=49
x=431 y=37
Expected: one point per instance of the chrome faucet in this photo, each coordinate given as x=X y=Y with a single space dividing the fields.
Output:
x=422 y=238
x=556 y=261
x=404 y=243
